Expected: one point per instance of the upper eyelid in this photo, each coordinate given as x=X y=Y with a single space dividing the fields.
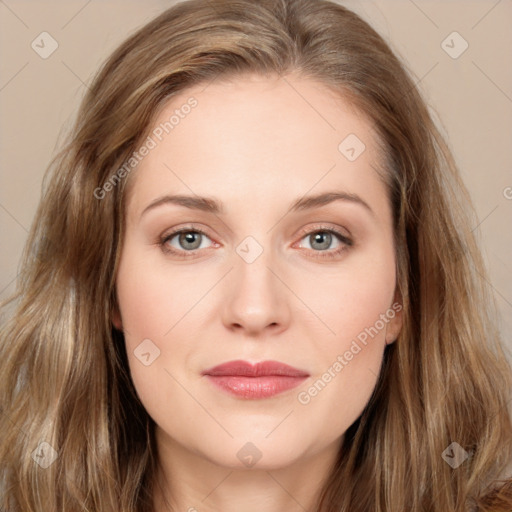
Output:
x=335 y=230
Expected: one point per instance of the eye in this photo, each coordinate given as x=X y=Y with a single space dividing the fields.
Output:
x=183 y=241
x=321 y=240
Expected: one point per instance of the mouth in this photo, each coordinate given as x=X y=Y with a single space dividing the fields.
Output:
x=255 y=381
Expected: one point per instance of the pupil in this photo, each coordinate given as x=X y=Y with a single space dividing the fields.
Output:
x=188 y=238
x=327 y=239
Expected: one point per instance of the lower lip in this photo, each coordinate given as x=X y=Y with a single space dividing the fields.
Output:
x=256 y=387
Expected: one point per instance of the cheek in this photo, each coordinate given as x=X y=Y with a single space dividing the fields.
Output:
x=355 y=308
x=151 y=299
x=351 y=300
x=152 y=302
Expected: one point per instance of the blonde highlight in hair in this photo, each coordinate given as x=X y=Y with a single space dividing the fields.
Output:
x=64 y=375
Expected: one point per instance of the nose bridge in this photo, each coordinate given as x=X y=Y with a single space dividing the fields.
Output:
x=254 y=294
x=251 y=267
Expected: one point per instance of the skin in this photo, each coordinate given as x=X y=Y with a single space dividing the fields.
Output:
x=256 y=144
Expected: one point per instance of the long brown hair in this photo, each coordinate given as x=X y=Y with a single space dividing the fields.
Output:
x=64 y=377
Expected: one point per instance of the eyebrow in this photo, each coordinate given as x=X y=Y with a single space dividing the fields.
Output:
x=210 y=205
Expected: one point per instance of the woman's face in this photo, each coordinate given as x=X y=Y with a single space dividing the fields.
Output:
x=273 y=265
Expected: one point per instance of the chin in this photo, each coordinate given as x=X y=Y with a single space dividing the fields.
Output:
x=251 y=453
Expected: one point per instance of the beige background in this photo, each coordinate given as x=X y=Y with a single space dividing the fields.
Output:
x=471 y=95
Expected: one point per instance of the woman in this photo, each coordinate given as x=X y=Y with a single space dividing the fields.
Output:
x=259 y=371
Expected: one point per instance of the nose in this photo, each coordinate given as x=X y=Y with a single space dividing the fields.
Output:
x=257 y=300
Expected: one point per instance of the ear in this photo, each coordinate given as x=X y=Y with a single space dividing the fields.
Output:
x=116 y=318
x=394 y=326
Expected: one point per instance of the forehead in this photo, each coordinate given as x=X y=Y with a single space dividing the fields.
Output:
x=256 y=136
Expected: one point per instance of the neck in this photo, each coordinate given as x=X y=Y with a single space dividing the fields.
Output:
x=188 y=482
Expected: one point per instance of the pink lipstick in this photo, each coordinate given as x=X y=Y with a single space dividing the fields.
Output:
x=261 y=380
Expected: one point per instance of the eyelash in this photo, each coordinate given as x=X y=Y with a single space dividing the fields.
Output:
x=326 y=254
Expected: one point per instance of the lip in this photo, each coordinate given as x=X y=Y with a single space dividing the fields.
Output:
x=255 y=381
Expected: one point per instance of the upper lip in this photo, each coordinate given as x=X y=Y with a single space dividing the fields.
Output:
x=262 y=369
